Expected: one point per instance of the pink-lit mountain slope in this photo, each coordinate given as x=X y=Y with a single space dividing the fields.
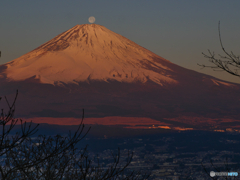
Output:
x=90 y=52
x=91 y=67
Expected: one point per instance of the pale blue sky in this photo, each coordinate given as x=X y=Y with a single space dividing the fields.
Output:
x=177 y=30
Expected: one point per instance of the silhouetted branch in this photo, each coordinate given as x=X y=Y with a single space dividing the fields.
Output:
x=51 y=157
x=227 y=62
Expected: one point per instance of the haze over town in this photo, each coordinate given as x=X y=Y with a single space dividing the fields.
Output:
x=129 y=71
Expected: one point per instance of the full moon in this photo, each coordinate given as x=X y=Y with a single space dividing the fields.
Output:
x=91 y=19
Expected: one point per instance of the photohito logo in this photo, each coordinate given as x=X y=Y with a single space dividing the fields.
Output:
x=212 y=173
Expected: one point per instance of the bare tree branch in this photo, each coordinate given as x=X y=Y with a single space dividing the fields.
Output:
x=228 y=62
x=23 y=157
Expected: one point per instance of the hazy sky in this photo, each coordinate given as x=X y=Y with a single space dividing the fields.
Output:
x=177 y=30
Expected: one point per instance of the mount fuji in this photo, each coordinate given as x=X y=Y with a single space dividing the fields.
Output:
x=90 y=52
x=91 y=67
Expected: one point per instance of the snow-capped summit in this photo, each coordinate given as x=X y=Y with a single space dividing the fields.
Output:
x=90 y=52
x=91 y=67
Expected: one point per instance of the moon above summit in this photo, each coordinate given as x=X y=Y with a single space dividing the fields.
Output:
x=91 y=19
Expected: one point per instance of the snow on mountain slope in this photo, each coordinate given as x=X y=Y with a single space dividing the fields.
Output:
x=90 y=51
x=88 y=58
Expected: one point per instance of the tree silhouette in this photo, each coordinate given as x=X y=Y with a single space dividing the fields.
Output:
x=49 y=158
x=228 y=62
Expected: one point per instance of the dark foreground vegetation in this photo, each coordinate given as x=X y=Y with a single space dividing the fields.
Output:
x=165 y=155
x=52 y=157
x=228 y=62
